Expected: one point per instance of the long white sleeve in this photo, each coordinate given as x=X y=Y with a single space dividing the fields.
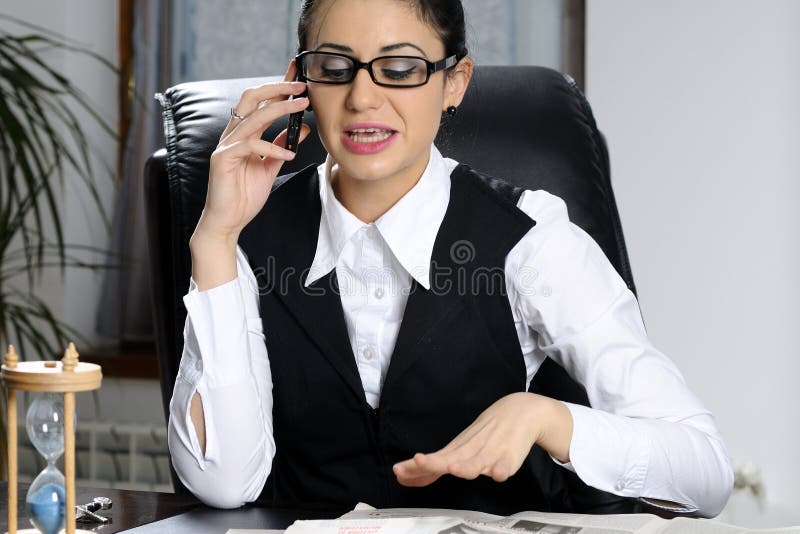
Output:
x=224 y=360
x=647 y=435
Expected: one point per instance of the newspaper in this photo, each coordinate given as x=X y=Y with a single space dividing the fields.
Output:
x=367 y=520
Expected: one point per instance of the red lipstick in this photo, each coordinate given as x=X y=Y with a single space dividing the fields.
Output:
x=367 y=137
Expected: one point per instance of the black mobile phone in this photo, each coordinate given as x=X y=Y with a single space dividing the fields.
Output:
x=293 y=128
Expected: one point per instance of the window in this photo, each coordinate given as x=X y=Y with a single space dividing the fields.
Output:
x=211 y=41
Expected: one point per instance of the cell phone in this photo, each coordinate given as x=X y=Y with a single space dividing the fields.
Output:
x=295 y=121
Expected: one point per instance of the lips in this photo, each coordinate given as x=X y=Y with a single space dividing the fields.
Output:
x=369 y=135
x=367 y=138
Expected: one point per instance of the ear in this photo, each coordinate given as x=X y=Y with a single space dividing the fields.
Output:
x=458 y=81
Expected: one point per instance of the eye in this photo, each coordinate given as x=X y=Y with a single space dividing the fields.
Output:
x=332 y=69
x=335 y=74
x=398 y=74
x=402 y=70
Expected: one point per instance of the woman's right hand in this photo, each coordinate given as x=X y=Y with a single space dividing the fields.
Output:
x=243 y=169
x=243 y=166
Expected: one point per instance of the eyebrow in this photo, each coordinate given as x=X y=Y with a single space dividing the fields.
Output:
x=388 y=48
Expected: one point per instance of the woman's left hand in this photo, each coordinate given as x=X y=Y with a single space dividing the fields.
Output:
x=497 y=442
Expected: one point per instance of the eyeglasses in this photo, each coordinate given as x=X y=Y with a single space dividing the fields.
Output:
x=388 y=71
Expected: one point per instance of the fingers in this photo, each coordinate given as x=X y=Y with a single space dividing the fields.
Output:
x=492 y=463
x=254 y=124
x=418 y=482
x=252 y=97
x=466 y=461
x=418 y=471
x=256 y=98
x=426 y=466
x=423 y=469
x=248 y=147
x=280 y=140
x=502 y=470
x=491 y=452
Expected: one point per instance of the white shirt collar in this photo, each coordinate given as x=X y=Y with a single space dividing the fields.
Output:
x=409 y=227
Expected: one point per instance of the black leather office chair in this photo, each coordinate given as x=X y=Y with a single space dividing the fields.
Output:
x=528 y=125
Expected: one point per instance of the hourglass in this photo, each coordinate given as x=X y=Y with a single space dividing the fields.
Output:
x=50 y=501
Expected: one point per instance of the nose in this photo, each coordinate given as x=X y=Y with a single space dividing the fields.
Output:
x=364 y=94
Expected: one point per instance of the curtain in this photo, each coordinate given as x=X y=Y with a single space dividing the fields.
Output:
x=124 y=309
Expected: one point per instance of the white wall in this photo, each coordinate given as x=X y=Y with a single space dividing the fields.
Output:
x=700 y=102
x=93 y=24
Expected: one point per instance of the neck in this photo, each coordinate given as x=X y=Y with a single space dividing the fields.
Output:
x=368 y=200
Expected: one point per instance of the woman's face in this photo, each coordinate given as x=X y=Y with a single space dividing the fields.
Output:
x=375 y=132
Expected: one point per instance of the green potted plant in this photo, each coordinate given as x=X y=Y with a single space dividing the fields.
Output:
x=41 y=139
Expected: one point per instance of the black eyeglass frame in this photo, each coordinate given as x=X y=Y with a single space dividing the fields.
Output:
x=432 y=67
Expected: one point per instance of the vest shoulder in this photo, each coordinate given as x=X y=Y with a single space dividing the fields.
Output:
x=500 y=191
x=484 y=210
x=301 y=177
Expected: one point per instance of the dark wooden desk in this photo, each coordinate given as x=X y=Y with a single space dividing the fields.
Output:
x=130 y=508
x=139 y=510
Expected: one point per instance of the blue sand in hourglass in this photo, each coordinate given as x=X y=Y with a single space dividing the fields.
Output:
x=47 y=507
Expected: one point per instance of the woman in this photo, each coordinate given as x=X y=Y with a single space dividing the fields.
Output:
x=327 y=346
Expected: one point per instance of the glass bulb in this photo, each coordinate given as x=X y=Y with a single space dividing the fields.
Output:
x=46 y=501
x=45 y=424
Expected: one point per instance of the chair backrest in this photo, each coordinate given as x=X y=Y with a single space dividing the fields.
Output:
x=528 y=125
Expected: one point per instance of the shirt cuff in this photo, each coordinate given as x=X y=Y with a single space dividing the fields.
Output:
x=672 y=507
x=216 y=342
x=607 y=452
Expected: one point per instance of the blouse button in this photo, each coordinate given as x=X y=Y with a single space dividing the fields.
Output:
x=379 y=293
x=369 y=353
x=620 y=485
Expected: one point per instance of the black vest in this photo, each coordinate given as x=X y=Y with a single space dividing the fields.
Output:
x=456 y=353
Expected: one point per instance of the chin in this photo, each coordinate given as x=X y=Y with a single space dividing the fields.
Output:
x=387 y=164
x=367 y=168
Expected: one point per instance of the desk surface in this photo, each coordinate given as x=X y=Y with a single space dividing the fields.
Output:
x=137 y=512
x=130 y=508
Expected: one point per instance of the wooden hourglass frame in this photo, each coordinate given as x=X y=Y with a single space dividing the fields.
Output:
x=68 y=376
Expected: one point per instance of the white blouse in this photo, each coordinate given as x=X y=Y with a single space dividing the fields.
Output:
x=646 y=435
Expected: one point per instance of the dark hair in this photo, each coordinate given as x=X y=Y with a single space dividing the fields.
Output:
x=446 y=17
